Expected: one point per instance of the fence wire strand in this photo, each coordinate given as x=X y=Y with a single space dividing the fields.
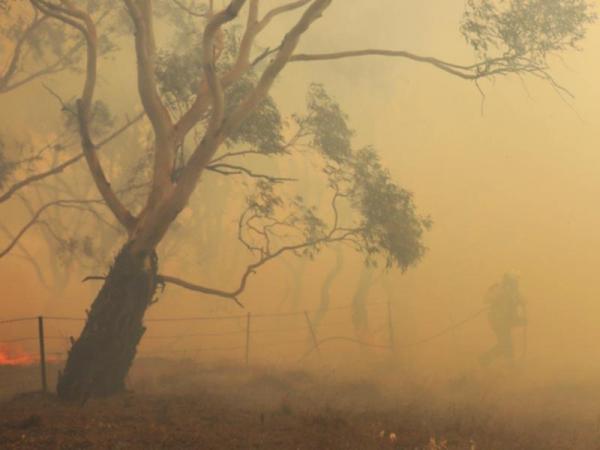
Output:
x=260 y=344
x=20 y=319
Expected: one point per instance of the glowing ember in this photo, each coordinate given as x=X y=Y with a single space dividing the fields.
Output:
x=15 y=357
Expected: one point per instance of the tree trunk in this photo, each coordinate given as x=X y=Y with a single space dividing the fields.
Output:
x=297 y=268
x=360 y=314
x=326 y=287
x=100 y=359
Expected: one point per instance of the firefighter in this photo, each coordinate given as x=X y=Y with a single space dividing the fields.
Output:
x=506 y=312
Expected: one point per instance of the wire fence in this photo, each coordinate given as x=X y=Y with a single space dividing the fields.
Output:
x=291 y=337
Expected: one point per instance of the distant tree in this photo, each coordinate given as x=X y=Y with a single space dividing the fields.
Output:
x=207 y=99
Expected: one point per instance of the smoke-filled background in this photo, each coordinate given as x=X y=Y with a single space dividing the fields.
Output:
x=508 y=175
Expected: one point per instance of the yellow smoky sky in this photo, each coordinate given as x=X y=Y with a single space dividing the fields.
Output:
x=510 y=179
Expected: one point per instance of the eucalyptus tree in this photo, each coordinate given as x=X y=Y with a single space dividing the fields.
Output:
x=224 y=121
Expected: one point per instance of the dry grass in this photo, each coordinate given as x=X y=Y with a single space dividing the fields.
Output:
x=189 y=406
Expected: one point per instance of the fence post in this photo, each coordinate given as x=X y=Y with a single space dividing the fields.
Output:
x=391 y=325
x=42 y=353
x=248 y=339
x=312 y=332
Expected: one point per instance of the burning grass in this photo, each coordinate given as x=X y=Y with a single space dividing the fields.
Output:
x=15 y=356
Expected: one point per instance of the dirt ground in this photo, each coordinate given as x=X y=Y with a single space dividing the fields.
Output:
x=223 y=406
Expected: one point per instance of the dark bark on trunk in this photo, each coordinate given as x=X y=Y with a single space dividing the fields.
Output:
x=100 y=359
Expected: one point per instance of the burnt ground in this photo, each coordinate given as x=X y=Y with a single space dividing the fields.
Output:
x=189 y=406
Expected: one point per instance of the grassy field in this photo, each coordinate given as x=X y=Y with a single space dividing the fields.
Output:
x=190 y=406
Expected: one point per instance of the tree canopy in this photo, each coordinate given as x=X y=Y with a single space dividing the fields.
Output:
x=208 y=108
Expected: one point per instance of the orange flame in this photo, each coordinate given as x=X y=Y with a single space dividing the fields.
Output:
x=15 y=357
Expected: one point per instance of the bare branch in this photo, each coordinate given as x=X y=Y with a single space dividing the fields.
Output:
x=211 y=91
x=155 y=221
x=234 y=154
x=251 y=269
x=27 y=256
x=197 y=288
x=82 y=21
x=231 y=169
x=63 y=105
x=162 y=124
x=59 y=64
x=16 y=56
x=264 y=22
x=288 y=45
x=243 y=59
x=214 y=83
x=93 y=277
x=190 y=11
x=59 y=168
x=35 y=220
x=241 y=65
x=266 y=53
x=487 y=68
